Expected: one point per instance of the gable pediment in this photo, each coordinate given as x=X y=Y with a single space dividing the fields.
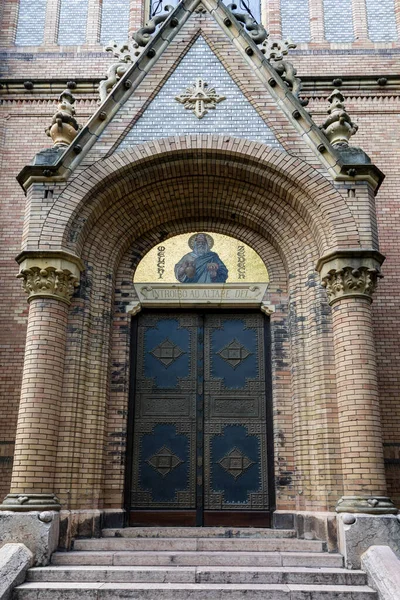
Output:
x=265 y=108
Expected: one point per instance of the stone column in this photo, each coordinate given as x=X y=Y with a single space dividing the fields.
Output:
x=49 y=279
x=350 y=278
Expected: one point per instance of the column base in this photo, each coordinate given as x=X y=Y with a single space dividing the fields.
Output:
x=27 y=502
x=371 y=505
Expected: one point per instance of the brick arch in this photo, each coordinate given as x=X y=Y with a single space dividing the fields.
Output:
x=128 y=219
x=142 y=175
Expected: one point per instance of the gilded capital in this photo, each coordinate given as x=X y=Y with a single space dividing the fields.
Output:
x=49 y=274
x=350 y=273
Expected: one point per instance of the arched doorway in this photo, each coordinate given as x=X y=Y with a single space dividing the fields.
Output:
x=201 y=421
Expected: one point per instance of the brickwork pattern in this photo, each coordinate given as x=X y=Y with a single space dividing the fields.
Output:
x=165 y=116
x=295 y=17
x=304 y=368
x=358 y=399
x=41 y=393
x=381 y=21
x=73 y=20
x=338 y=21
x=114 y=21
x=300 y=484
x=31 y=18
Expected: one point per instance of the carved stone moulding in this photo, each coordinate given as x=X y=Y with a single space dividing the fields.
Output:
x=26 y=502
x=373 y=505
x=50 y=274
x=350 y=273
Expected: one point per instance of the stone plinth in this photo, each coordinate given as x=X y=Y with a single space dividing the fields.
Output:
x=357 y=532
x=38 y=531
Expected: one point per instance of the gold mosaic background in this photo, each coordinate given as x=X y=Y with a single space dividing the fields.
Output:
x=230 y=251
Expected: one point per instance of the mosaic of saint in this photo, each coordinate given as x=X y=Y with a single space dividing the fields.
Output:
x=201 y=258
x=201 y=265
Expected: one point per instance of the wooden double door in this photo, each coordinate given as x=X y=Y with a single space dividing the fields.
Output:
x=200 y=420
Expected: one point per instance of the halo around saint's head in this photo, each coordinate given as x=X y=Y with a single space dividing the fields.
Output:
x=208 y=237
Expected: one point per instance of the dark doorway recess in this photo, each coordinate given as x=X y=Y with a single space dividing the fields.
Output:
x=200 y=434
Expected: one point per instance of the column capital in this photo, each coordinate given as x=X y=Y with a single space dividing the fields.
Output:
x=350 y=273
x=49 y=274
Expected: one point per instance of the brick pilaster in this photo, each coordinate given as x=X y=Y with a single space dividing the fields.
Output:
x=271 y=17
x=397 y=16
x=317 y=29
x=360 y=20
x=137 y=15
x=9 y=22
x=51 y=23
x=93 y=26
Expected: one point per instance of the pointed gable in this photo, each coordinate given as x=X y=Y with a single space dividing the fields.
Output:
x=166 y=116
x=240 y=51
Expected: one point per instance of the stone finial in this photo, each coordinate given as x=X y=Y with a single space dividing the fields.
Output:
x=338 y=127
x=64 y=127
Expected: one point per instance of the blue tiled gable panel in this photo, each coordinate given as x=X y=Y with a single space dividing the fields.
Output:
x=295 y=17
x=31 y=19
x=72 y=28
x=338 y=20
x=381 y=21
x=112 y=27
x=235 y=116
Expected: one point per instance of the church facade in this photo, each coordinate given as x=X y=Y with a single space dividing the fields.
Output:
x=207 y=240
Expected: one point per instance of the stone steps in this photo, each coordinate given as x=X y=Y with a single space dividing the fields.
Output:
x=193 y=559
x=209 y=564
x=192 y=591
x=198 y=532
x=240 y=575
x=200 y=545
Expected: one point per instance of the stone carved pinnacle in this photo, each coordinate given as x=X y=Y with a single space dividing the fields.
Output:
x=49 y=282
x=64 y=127
x=338 y=127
